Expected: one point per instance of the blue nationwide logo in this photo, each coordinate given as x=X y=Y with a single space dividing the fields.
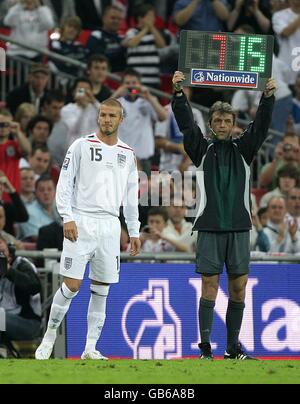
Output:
x=224 y=78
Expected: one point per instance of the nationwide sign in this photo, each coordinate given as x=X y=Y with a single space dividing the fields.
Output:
x=223 y=78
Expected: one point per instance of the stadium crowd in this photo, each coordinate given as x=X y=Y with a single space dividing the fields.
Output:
x=139 y=41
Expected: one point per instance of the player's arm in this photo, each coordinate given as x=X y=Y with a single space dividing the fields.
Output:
x=194 y=143
x=131 y=211
x=65 y=188
x=257 y=132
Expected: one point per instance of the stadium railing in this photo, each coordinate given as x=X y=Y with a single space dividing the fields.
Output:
x=21 y=66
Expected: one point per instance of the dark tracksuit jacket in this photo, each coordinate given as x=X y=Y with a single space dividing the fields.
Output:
x=223 y=168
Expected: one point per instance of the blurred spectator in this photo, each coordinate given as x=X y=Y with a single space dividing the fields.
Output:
x=30 y=22
x=107 y=41
x=39 y=129
x=256 y=13
x=41 y=163
x=286 y=24
x=15 y=210
x=259 y=241
x=152 y=236
x=68 y=46
x=81 y=117
x=33 y=91
x=178 y=229
x=52 y=105
x=296 y=106
x=60 y=9
x=42 y=211
x=293 y=206
x=5 y=5
x=263 y=216
x=201 y=15
x=10 y=239
x=286 y=152
x=13 y=144
x=142 y=45
x=169 y=140
x=90 y=12
x=20 y=297
x=51 y=236
x=97 y=72
x=288 y=177
x=142 y=111
x=27 y=185
x=283 y=236
x=24 y=114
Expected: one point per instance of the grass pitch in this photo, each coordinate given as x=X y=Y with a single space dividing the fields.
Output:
x=148 y=372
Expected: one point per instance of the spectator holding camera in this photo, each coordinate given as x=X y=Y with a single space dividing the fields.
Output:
x=30 y=22
x=13 y=144
x=20 y=298
x=80 y=116
x=256 y=13
x=155 y=238
x=142 y=111
x=286 y=152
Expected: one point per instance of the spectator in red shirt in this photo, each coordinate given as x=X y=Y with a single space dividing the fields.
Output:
x=13 y=145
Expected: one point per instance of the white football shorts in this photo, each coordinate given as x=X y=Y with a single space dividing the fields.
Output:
x=99 y=244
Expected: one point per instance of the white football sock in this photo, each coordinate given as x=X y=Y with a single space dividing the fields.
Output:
x=96 y=315
x=60 y=306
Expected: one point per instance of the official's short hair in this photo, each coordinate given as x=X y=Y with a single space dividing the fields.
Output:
x=113 y=102
x=159 y=212
x=222 y=108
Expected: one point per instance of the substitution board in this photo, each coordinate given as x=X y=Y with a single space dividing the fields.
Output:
x=217 y=59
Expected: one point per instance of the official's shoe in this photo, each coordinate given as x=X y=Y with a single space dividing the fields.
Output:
x=239 y=355
x=44 y=351
x=93 y=356
x=205 y=351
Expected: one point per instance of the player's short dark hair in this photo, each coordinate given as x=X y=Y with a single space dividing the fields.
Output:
x=132 y=72
x=158 y=211
x=97 y=59
x=222 y=108
x=37 y=119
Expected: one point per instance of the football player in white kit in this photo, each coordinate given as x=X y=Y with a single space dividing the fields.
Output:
x=99 y=174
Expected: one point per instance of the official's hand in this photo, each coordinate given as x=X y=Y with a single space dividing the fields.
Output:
x=70 y=231
x=177 y=80
x=135 y=246
x=270 y=88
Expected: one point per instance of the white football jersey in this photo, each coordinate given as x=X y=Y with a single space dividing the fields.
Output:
x=96 y=179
